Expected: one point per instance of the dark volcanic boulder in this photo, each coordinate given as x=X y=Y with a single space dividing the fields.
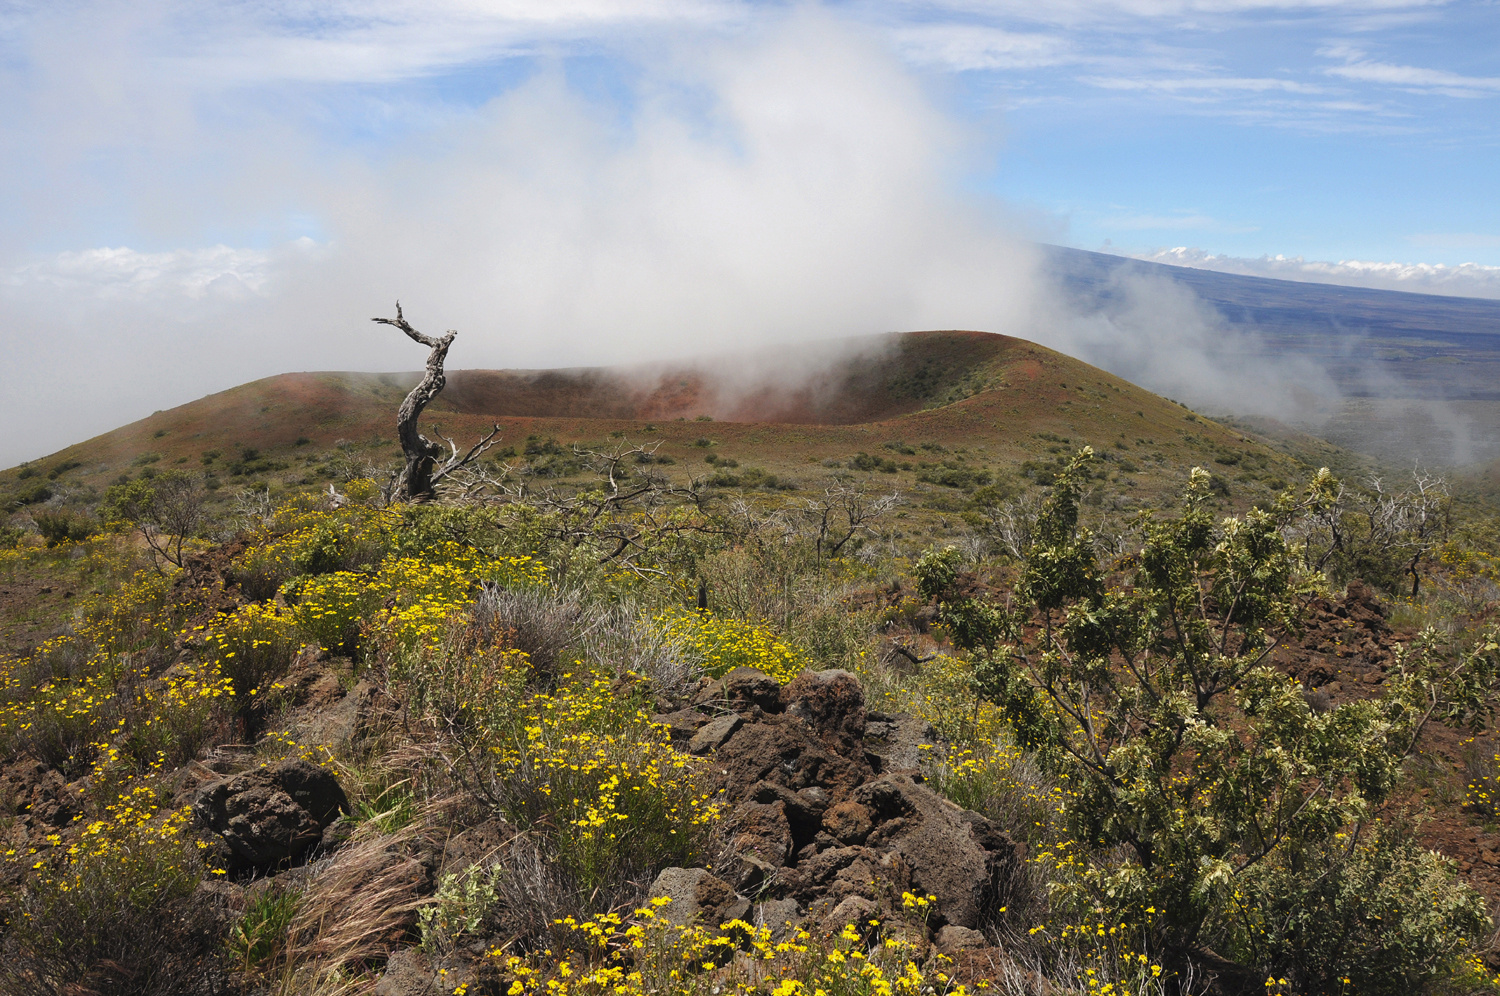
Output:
x=271 y=816
x=832 y=703
x=951 y=853
x=787 y=752
x=822 y=822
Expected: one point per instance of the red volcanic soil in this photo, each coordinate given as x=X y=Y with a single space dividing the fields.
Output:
x=876 y=379
x=1001 y=400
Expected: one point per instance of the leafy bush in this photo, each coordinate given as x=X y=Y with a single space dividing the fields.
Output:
x=115 y=910
x=1382 y=915
x=306 y=541
x=168 y=508
x=34 y=494
x=957 y=476
x=62 y=527
x=1153 y=699
x=459 y=906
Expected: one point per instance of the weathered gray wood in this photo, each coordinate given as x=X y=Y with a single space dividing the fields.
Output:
x=421 y=471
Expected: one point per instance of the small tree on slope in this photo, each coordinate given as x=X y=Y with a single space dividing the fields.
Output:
x=1211 y=805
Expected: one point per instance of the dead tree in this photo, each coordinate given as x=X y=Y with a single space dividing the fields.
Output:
x=421 y=471
x=843 y=512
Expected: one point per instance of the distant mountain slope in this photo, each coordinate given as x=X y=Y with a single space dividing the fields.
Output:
x=1417 y=375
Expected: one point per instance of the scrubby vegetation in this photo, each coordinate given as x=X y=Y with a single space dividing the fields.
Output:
x=467 y=738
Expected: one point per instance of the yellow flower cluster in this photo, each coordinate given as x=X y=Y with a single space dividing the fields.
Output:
x=130 y=618
x=76 y=704
x=1111 y=963
x=406 y=600
x=720 y=645
x=251 y=645
x=102 y=678
x=647 y=953
x=135 y=850
x=1483 y=793
x=303 y=540
x=979 y=778
x=604 y=776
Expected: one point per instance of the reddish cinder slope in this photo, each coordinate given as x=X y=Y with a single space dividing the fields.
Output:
x=867 y=380
x=1004 y=400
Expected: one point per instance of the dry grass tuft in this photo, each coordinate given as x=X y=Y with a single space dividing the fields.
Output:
x=363 y=902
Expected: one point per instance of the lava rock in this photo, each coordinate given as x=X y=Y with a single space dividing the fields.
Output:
x=697 y=894
x=747 y=686
x=954 y=854
x=710 y=737
x=272 y=816
x=849 y=822
x=831 y=702
x=901 y=741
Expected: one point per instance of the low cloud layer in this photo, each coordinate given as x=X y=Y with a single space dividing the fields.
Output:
x=795 y=182
x=1462 y=280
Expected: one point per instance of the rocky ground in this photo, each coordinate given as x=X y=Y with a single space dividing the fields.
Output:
x=830 y=821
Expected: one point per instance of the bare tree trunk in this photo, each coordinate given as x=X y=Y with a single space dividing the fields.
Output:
x=415 y=482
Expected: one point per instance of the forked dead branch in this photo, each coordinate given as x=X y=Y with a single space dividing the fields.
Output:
x=422 y=470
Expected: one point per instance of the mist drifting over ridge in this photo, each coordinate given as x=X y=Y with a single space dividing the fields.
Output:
x=746 y=186
x=793 y=181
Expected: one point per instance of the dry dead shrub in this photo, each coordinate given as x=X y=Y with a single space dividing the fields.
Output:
x=546 y=626
x=534 y=892
x=555 y=629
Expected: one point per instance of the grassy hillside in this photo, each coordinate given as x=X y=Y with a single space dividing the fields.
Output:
x=1000 y=735
x=936 y=405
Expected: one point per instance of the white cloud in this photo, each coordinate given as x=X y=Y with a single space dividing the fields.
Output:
x=121 y=274
x=965 y=47
x=1359 y=67
x=806 y=191
x=1086 y=11
x=1198 y=84
x=345 y=41
x=1462 y=280
x=1414 y=77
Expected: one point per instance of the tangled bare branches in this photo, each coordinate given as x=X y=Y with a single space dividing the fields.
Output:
x=843 y=512
x=423 y=470
x=1377 y=532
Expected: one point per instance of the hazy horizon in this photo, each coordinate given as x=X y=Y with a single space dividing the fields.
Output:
x=201 y=195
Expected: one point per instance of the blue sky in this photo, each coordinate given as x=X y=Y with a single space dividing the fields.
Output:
x=196 y=193
x=1331 y=130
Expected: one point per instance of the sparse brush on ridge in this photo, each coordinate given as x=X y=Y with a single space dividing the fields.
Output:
x=513 y=688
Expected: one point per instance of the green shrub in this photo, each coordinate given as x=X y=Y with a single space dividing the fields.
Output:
x=62 y=527
x=32 y=495
x=259 y=937
x=1197 y=768
x=1373 y=913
